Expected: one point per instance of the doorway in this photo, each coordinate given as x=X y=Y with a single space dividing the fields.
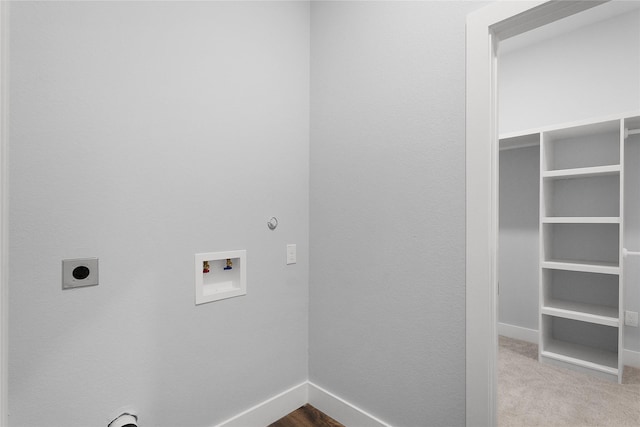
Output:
x=566 y=85
x=486 y=28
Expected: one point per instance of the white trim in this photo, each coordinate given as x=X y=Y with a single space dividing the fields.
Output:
x=345 y=412
x=518 y=333
x=272 y=409
x=288 y=401
x=341 y=410
x=4 y=214
x=485 y=26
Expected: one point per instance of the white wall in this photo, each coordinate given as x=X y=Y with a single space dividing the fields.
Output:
x=590 y=72
x=142 y=133
x=587 y=73
x=387 y=294
x=518 y=238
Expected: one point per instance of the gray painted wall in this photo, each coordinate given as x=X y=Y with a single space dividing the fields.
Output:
x=590 y=72
x=587 y=73
x=387 y=294
x=518 y=238
x=143 y=133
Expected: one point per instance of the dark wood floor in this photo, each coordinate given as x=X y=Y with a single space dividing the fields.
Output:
x=306 y=416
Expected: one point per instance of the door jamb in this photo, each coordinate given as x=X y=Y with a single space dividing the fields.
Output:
x=4 y=213
x=485 y=28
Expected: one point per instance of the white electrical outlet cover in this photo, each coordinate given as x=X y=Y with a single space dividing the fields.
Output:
x=77 y=273
x=631 y=318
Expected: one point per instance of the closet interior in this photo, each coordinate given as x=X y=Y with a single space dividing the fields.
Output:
x=581 y=237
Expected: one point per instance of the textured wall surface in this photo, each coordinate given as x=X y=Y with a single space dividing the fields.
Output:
x=387 y=295
x=143 y=133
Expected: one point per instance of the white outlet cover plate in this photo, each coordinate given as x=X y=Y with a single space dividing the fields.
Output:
x=631 y=318
x=69 y=265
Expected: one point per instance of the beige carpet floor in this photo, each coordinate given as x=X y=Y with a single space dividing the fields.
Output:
x=535 y=394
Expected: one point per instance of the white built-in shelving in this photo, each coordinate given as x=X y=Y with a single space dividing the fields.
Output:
x=582 y=265
x=594 y=313
x=581 y=220
x=582 y=172
x=581 y=242
x=589 y=357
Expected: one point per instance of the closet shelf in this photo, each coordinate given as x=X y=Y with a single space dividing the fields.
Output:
x=581 y=220
x=591 y=313
x=519 y=141
x=582 y=355
x=585 y=266
x=582 y=172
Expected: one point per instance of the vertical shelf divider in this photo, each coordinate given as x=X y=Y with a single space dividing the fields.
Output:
x=621 y=257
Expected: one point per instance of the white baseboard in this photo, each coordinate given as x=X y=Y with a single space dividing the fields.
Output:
x=341 y=410
x=278 y=406
x=631 y=358
x=272 y=409
x=518 y=333
x=344 y=412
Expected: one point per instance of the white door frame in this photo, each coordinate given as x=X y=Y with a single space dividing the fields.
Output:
x=485 y=28
x=4 y=213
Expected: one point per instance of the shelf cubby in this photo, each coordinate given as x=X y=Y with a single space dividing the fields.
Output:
x=581 y=195
x=584 y=296
x=581 y=243
x=586 y=146
x=585 y=344
x=584 y=356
